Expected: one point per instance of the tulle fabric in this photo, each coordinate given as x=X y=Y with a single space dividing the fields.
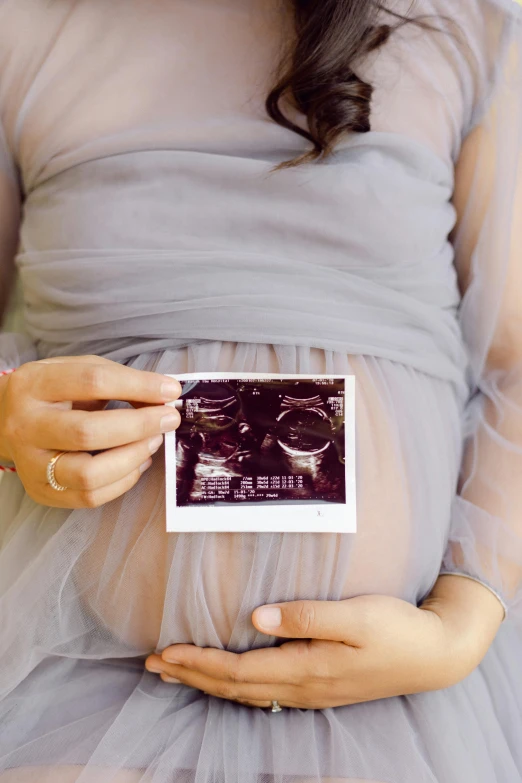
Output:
x=76 y=699
x=152 y=234
x=486 y=532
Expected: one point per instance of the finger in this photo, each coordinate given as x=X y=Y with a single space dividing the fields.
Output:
x=90 y=498
x=85 y=405
x=82 y=471
x=88 y=358
x=338 y=621
x=90 y=380
x=58 y=430
x=289 y=664
x=223 y=689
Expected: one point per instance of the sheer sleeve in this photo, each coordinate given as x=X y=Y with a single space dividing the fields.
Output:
x=14 y=349
x=9 y=219
x=485 y=541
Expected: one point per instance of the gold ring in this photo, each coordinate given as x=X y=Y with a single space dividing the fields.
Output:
x=50 y=472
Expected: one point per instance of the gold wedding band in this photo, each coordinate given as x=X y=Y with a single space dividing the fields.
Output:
x=50 y=473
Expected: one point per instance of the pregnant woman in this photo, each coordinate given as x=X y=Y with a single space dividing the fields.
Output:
x=290 y=186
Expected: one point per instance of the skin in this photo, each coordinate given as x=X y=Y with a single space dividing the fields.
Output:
x=345 y=652
x=340 y=653
x=58 y=405
x=374 y=647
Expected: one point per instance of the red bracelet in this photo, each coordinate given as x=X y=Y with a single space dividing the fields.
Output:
x=2 y=468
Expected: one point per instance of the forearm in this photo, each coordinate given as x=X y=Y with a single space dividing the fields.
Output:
x=485 y=538
x=471 y=613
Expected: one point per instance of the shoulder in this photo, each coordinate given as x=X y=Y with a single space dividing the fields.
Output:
x=481 y=23
x=509 y=8
x=28 y=28
x=481 y=35
x=492 y=31
x=472 y=9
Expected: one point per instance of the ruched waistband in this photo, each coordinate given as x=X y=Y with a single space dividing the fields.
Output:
x=127 y=303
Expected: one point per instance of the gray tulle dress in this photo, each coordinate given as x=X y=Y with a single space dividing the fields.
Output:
x=154 y=232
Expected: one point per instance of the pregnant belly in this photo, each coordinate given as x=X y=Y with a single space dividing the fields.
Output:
x=151 y=589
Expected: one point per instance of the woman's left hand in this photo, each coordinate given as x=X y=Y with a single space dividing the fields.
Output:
x=350 y=651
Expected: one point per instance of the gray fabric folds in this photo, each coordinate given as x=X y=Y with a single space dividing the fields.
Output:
x=153 y=231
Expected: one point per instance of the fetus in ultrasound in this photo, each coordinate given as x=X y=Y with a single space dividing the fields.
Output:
x=257 y=441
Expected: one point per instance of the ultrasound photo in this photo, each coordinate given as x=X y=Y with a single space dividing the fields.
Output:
x=253 y=441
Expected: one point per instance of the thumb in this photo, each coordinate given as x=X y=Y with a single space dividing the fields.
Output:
x=329 y=620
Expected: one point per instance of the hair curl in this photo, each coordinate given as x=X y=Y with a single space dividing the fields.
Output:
x=319 y=74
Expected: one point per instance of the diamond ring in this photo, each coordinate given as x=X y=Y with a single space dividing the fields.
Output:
x=51 y=465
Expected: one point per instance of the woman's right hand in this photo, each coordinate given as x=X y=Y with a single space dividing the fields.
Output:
x=56 y=405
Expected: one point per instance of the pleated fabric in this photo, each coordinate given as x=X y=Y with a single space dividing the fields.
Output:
x=155 y=233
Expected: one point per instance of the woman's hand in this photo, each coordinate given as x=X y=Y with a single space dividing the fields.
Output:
x=57 y=405
x=356 y=650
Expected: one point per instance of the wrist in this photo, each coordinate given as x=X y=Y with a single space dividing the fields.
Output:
x=462 y=594
x=471 y=615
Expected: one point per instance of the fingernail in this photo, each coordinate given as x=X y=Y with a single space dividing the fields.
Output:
x=170 y=422
x=170 y=679
x=170 y=390
x=154 y=668
x=155 y=443
x=269 y=617
x=146 y=465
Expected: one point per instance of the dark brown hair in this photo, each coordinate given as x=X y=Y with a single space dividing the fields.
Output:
x=319 y=74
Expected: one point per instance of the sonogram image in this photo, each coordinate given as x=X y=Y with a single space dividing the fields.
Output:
x=258 y=440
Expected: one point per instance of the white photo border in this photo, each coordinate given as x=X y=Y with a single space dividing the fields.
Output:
x=257 y=517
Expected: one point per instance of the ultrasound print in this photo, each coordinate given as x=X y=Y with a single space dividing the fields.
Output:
x=276 y=440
